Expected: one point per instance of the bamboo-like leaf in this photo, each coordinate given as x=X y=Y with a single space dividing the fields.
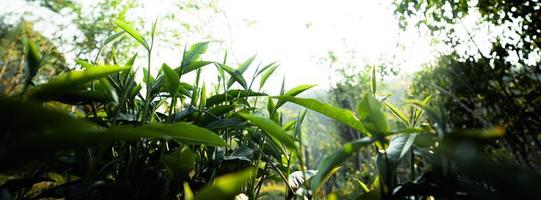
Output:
x=71 y=81
x=136 y=35
x=225 y=187
x=398 y=114
x=342 y=115
x=272 y=129
x=336 y=159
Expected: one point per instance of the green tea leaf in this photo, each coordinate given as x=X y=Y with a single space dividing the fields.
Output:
x=235 y=75
x=136 y=35
x=342 y=115
x=372 y=116
x=32 y=60
x=240 y=70
x=225 y=187
x=398 y=114
x=180 y=162
x=192 y=66
x=231 y=95
x=272 y=129
x=71 y=81
x=294 y=92
x=335 y=159
x=188 y=133
x=172 y=80
x=194 y=52
x=266 y=76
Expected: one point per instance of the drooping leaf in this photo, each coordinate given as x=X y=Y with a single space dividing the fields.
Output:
x=71 y=81
x=225 y=187
x=342 y=115
x=130 y=30
x=335 y=159
x=272 y=129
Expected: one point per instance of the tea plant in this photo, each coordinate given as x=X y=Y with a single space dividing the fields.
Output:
x=95 y=133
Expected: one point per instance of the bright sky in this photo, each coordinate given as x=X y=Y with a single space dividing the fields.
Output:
x=299 y=35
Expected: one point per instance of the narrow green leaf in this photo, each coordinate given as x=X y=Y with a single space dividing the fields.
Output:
x=272 y=129
x=235 y=75
x=32 y=59
x=294 y=92
x=240 y=70
x=109 y=40
x=225 y=187
x=192 y=66
x=71 y=81
x=180 y=162
x=372 y=116
x=374 y=84
x=345 y=116
x=130 y=30
x=172 y=80
x=266 y=76
x=188 y=133
x=231 y=95
x=335 y=159
x=398 y=114
x=193 y=53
